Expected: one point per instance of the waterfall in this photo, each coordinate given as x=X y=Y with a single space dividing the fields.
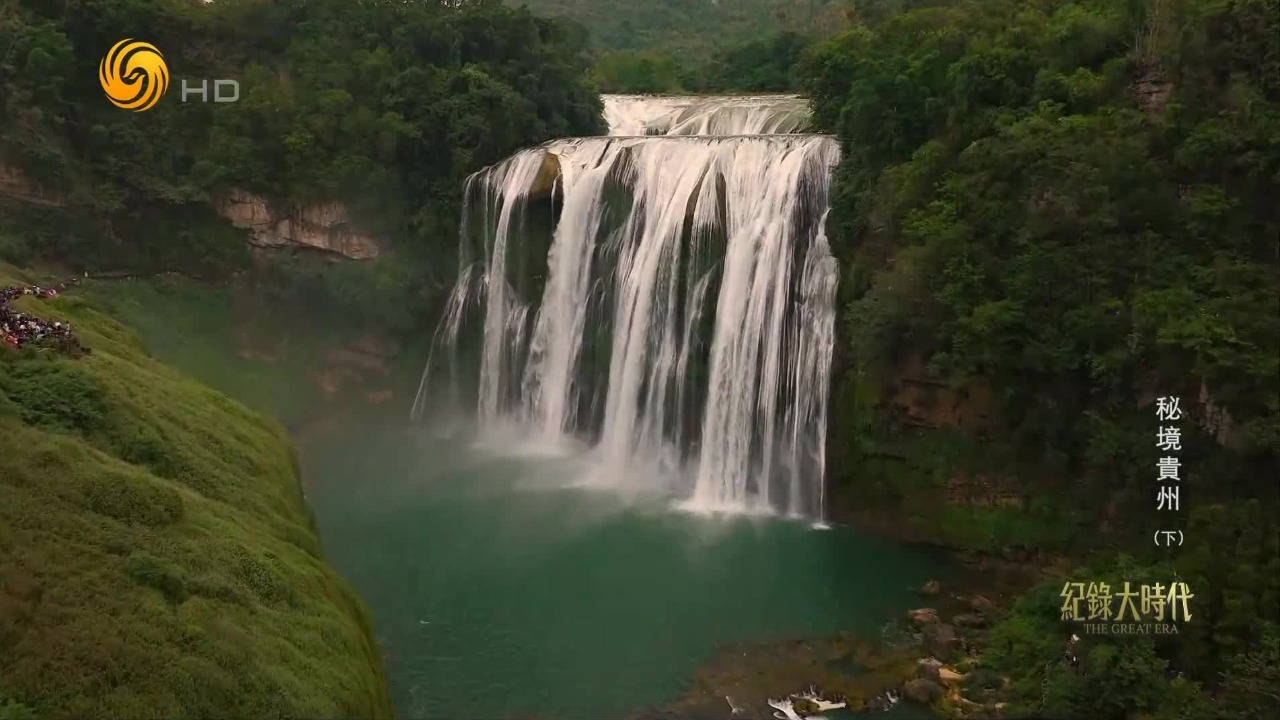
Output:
x=705 y=115
x=665 y=293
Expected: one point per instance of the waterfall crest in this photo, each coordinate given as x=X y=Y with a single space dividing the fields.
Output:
x=667 y=298
x=705 y=114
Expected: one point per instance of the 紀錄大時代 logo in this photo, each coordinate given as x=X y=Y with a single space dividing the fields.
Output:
x=134 y=75
x=1142 y=608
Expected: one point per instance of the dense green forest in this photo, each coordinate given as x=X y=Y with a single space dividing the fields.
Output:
x=690 y=30
x=770 y=64
x=1050 y=213
x=383 y=105
x=692 y=46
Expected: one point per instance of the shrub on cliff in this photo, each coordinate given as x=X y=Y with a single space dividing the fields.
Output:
x=1251 y=685
x=54 y=395
x=10 y=710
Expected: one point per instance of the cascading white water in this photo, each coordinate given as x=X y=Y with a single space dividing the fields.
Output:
x=705 y=115
x=683 y=312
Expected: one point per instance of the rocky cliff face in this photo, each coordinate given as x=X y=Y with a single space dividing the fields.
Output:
x=324 y=226
x=16 y=185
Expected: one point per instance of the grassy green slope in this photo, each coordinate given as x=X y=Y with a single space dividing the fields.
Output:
x=156 y=554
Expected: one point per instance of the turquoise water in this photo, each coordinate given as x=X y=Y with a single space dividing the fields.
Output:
x=499 y=588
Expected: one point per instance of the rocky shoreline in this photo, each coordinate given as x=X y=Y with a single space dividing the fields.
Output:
x=924 y=664
x=743 y=678
x=947 y=676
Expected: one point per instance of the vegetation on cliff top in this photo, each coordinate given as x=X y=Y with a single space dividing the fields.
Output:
x=156 y=554
x=689 y=31
x=1048 y=214
x=763 y=65
x=379 y=104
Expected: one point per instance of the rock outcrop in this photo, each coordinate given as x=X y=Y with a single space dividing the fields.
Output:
x=16 y=185
x=1151 y=89
x=929 y=669
x=1214 y=418
x=925 y=692
x=323 y=226
x=360 y=362
x=930 y=403
x=922 y=616
x=940 y=640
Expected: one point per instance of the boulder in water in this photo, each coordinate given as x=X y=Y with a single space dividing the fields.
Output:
x=804 y=706
x=927 y=669
x=816 y=702
x=786 y=709
x=931 y=588
x=981 y=604
x=940 y=640
x=922 y=616
x=925 y=692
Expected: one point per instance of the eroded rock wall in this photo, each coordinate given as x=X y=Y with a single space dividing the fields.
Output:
x=323 y=226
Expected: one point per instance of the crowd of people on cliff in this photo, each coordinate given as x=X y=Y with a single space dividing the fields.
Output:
x=20 y=329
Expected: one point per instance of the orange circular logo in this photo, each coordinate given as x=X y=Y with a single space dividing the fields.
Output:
x=134 y=75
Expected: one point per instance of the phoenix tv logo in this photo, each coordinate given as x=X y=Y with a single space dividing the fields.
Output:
x=134 y=76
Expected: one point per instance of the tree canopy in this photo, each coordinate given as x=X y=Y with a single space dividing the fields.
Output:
x=689 y=30
x=1057 y=212
x=384 y=105
x=768 y=64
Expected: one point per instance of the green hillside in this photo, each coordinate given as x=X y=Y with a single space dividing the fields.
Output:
x=156 y=555
x=1048 y=215
x=688 y=29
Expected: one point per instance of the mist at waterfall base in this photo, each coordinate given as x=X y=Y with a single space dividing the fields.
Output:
x=619 y=461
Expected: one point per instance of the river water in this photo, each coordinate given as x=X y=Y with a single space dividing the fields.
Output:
x=503 y=587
